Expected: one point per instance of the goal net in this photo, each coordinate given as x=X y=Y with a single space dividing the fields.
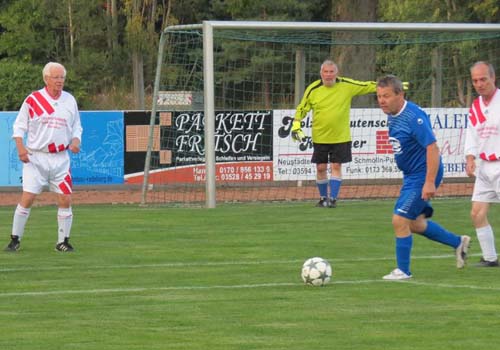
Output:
x=226 y=92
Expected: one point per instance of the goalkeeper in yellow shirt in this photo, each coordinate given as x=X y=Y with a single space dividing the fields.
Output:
x=330 y=100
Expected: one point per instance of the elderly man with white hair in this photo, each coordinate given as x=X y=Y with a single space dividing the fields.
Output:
x=50 y=119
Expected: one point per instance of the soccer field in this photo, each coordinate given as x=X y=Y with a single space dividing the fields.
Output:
x=229 y=278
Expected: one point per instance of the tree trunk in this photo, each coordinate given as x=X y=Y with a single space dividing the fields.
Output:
x=437 y=77
x=355 y=61
x=138 y=75
x=461 y=98
x=71 y=31
x=166 y=14
x=136 y=55
x=112 y=25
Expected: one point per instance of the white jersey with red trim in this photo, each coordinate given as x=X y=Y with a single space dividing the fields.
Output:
x=483 y=131
x=50 y=124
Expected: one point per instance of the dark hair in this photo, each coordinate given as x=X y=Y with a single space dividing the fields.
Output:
x=391 y=81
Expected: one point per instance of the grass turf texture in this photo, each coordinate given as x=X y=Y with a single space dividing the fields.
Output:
x=229 y=278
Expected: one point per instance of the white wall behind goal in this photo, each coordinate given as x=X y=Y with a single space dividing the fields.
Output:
x=371 y=152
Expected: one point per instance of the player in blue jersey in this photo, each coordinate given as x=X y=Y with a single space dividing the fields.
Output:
x=417 y=156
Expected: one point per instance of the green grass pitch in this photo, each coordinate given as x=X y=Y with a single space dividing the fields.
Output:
x=229 y=278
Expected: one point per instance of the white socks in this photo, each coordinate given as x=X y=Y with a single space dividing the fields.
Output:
x=64 y=220
x=21 y=216
x=487 y=242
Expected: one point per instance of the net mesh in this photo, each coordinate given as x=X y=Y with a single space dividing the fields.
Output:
x=260 y=76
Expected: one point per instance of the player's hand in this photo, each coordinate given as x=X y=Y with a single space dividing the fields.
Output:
x=470 y=167
x=297 y=133
x=406 y=85
x=23 y=155
x=428 y=190
x=74 y=146
x=298 y=136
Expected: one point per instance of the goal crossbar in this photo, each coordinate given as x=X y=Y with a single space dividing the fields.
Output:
x=347 y=26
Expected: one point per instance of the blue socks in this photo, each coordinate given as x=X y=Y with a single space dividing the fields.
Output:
x=434 y=232
x=335 y=183
x=437 y=233
x=403 y=252
x=322 y=187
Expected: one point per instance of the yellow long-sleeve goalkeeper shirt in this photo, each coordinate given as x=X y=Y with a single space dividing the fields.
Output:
x=331 y=107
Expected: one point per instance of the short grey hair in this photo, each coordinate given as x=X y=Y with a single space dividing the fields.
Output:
x=329 y=62
x=491 y=70
x=391 y=81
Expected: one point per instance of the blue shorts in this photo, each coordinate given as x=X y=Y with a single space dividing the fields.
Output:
x=410 y=204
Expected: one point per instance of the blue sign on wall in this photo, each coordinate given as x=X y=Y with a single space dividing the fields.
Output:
x=100 y=161
x=10 y=165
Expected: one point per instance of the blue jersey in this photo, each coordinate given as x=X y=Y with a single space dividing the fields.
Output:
x=410 y=133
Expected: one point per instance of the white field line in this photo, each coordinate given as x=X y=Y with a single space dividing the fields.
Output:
x=448 y=285
x=218 y=263
x=143 y=289
x=240 y=286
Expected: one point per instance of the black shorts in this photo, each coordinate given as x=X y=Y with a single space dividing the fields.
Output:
x=332 y=153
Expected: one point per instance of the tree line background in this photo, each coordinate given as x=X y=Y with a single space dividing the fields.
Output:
x=109 y=47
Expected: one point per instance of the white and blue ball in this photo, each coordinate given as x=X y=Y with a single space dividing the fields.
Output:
x=316 y=272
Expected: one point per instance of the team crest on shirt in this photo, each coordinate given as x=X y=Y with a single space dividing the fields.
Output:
x=396 y=145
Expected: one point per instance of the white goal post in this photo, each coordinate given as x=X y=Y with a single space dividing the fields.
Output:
x=209 y=27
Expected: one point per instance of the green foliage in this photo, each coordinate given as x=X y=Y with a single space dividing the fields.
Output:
x=78 y=34
x=414 y=63
x=18 y=79
x=427 y=11
x=28 y=32
x=38 y=31
x=486 y=10
x=183 y=12
x=277 y=10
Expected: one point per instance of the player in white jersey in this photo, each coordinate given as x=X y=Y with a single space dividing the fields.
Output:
x=50 y=119
x=483 y=142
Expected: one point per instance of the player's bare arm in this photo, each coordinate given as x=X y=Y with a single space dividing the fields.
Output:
x=22 y=152
x=429 y=189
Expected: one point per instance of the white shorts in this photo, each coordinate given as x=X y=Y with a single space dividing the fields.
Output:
x=487 y=185
x=47 y=169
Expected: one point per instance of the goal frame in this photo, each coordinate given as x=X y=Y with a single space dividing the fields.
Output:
x=208 y=28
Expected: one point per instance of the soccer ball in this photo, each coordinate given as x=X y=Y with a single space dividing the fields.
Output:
x=316 y=271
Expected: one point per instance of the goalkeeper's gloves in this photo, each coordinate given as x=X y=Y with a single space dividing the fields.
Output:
x=406 y=85
x=297 y=133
